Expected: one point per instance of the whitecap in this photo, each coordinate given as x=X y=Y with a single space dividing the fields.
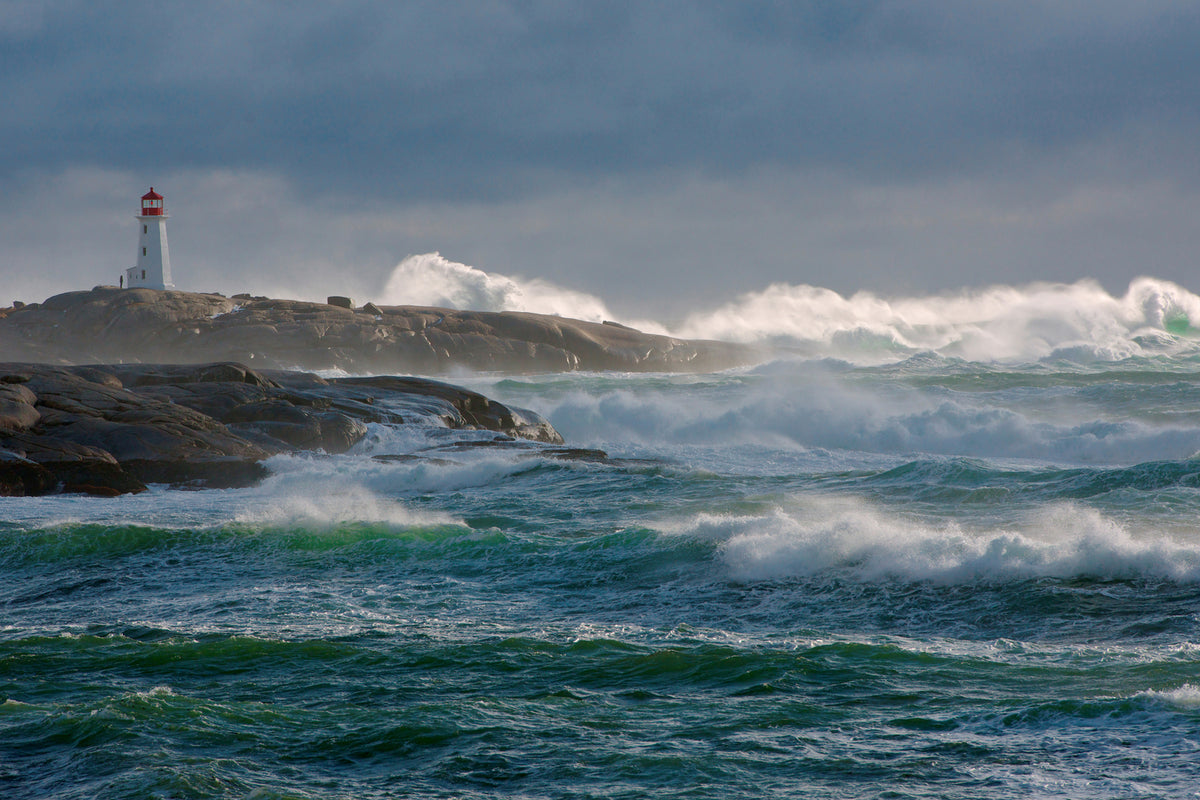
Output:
x=1186 y=696
x=853 y=538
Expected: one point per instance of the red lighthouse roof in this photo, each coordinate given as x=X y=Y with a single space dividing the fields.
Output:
x=152 y=204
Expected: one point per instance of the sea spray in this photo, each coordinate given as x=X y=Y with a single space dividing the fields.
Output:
x=931 y=407
x=1078 y=322
x=821 y=576
x=815 y=534
x=1001 y=323
x=429 y=279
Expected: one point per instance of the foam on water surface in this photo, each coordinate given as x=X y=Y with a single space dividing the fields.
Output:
x=1075 y=322
x=846 y=535
x=946 y=544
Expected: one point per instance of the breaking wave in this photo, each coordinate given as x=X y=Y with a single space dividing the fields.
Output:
x=429 y=279
x=846 y=535
x=1077 y=321
x=1186 y=696
x=1001 y=323
x=814 y=407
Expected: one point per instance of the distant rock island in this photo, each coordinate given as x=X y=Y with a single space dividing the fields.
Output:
x=108 y=430
x=111 y=325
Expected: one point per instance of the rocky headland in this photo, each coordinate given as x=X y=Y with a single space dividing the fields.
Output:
x=111 y=325
x=104 y=391
x=112 y=429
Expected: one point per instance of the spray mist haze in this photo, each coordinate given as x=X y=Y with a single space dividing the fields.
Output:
x=1075 y=321
x=429 y=279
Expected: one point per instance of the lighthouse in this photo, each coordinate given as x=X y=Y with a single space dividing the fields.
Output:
x=153 y=270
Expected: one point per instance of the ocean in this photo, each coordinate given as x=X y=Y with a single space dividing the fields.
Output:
x=945 y=548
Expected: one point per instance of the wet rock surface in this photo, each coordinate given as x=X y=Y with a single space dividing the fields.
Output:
x=111 y=429
x=111 y=325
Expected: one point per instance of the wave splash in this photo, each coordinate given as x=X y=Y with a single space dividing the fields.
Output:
x=841 y=535
x=810 y=406
x=429 y=279
x=1186 y=696
x=1001 y=323
x=1077 y=321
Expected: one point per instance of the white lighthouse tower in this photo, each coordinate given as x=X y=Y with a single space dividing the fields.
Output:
x=153 y=270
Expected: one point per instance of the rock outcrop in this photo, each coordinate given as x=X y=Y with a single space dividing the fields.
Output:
x=112 y=429
x=107 y=325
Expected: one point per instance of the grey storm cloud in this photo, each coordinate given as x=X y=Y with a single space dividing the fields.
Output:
x=482 y=98
x=659 y=154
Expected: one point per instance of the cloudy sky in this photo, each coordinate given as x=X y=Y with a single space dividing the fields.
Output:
x=662 y=155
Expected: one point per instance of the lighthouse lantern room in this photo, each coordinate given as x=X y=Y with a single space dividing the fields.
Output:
x=153 y=270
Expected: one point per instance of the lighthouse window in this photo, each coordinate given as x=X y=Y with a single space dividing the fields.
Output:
x=143 y=274
x=144 y=229
x=143 y=251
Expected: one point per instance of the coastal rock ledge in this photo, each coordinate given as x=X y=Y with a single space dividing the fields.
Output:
x=111 y=325
x=111 y=429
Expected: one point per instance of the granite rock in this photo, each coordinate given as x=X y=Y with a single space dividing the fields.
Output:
x=111 y=325
x=111 y=429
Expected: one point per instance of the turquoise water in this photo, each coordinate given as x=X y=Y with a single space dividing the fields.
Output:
x=924 y=578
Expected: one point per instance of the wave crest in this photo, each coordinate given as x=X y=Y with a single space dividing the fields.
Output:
x=429 y=279
x=1077 y=321
x=1186 y=696
x=826 y=534
x=797 y=406
x=998 y=323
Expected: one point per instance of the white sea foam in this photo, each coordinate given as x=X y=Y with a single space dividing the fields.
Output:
x=1001 y=323
x=315 y=502
x=808 y=405
x=302 y=491
x=429 y=279
x=1186 y=696
x=1079 y=321
x=817 y=535
x=327 y=491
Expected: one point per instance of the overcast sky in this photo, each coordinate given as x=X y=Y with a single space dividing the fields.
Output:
x=662 y=155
